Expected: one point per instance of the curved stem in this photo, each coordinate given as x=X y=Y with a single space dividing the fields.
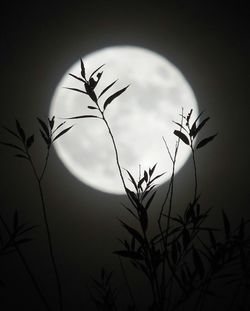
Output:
x=26 y=266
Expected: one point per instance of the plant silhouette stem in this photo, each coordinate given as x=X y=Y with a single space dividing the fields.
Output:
x=127 y=283
x=39 y=182
x=195 y=174
x=46 y=305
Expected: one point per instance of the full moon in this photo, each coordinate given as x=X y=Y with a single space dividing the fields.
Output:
x=139 y=118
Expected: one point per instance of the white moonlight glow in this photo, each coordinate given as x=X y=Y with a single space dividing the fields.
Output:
x=139 y=118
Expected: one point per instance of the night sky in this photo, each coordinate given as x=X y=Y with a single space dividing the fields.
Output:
x=208 y=42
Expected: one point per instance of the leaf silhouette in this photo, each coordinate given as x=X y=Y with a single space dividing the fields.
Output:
x=83 y=117
x=30 y=141
x=74 y=89
x=92 y=107
x=46 y=139
x=11 y=132
x=78 y=78
x=44 y=126
x=112 y=97
x=151 y=170
x=199 y=127
x=59 y=126
x=51 y=122
x=11 y=145
x=82 y=70
x=107 y=88
x=134 y=233
x=62 y=132
x=21 y=156
x=150 y=200
x=205 y=141
x=20 y=131
x=131 y=178
x=182 y=136
x=181 y=126
x=96 y=70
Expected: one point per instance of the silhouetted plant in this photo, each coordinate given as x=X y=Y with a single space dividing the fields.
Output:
x=179 y=262
x=23 y=144
x=105 y=295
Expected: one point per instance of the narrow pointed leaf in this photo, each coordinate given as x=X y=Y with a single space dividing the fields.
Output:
x=199 y=127
x=82 y=70
x=11 y=145
x=96 y=70
x=151 y=170
x=132 y=179
x=107 y=88
x=181 y=126
x=59 y=126
x=21 y=156
x=44 y=126
x=112 y=97
x=74 y=89
x=134 y=233
x=92 y=107
x=51 y=122
x=46 y=139
x=30 y=141
x=78 y=78
x=11 y=132
x=205 y=141
x=82 y=117
x=20 y=131
x=182 y=136
x=62 y=132
x=150 y=200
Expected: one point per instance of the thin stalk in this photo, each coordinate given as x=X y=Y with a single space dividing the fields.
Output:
x=127 y=283
x=195 y=174
x=39 y=182
x=26 y=266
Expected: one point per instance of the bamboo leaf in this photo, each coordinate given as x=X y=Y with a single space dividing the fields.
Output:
x=78 y=78
x=96 y=70
x=83 y=117
x=181 y=126
x=44 y=127
x=150 y=200
x=107 y=88
x=30 y=141
x=74 y=89
x=11 y=132
x=21 y=156
x=205 y=141
x=82 y=70
x=62 y=132
x=151 y=170
x=182 y=136
x=132 y=179
x=199 y=127
x=20 y=131
x=92 y=107
x=59 y=126
x=51 y=122
x=112 y=97
x=45 y=138
x=134 y=233
x=11 y=145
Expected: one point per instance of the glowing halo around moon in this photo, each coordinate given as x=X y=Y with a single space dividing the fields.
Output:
x=139 y=118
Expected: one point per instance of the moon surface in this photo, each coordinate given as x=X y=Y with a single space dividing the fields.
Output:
x=138 y=118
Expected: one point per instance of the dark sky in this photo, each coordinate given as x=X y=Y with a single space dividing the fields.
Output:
x=208 y=42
